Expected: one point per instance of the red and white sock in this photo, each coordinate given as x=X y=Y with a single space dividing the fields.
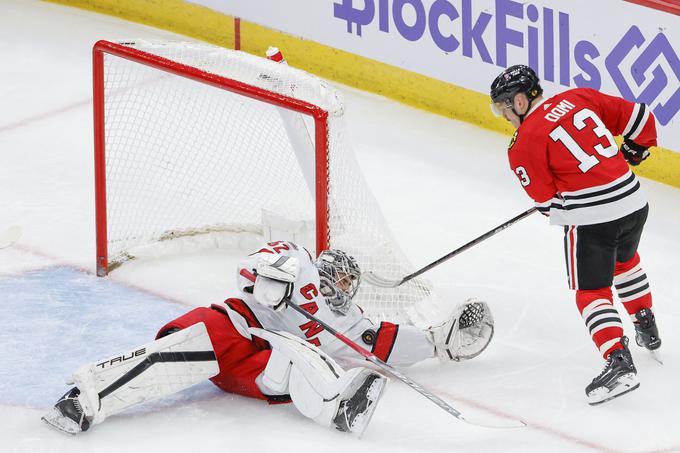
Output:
x=632 y=286
x=601 y=319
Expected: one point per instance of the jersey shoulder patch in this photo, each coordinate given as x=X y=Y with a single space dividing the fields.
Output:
x=513 y=140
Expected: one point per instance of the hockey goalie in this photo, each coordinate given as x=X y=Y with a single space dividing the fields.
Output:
x=255 y=345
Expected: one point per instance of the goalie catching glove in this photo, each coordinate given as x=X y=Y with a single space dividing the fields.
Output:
x=466 y=334
x=275 y=277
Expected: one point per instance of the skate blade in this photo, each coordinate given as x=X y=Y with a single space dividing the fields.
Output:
x=374 y=394
x=626 y=384
x=56 y=420
x=656 y=355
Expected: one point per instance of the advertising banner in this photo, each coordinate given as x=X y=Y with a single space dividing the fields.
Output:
x=613 y=46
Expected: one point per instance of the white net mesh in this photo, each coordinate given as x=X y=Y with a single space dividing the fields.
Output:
x=185 y=157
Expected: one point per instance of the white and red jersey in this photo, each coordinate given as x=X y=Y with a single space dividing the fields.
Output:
x=392 y=343
x=565 y=156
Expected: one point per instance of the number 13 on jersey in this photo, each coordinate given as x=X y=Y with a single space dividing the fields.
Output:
x=585 y=160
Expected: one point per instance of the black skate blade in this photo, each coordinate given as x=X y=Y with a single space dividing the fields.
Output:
x=615 y=396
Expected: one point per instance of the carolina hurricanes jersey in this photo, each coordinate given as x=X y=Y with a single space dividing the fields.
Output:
x=565 y=156
x=392 y=343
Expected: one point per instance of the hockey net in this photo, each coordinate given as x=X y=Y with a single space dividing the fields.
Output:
x=193 y=139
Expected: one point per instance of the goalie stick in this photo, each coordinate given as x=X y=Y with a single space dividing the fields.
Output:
x=9 y=236
x=381 y=282
x=396 y=373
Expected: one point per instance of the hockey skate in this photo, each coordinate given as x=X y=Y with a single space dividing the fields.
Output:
x=68 y=414
x=646 y=333
x=618 y=377
x=357 y=407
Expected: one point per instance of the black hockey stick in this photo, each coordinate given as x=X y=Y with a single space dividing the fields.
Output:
x=396 y=373
x=376 y=280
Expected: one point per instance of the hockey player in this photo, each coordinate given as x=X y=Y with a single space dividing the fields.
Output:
x=255 y=345
x=566 y=159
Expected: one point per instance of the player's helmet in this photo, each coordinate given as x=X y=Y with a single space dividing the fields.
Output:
x=340 y=277
x=516 y=79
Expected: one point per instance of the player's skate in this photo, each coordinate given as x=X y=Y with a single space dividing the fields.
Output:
x=358 y=402
x=68 y=414
x=618 y=377
x=646 y=332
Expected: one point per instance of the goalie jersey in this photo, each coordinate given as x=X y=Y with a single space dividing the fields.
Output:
x=566 y=159
x=392 y=343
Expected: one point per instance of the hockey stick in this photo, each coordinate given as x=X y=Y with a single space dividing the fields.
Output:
x=9 y=236
x=396 y=373
x=376 y=280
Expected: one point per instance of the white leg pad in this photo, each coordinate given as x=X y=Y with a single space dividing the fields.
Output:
x=313 y=379
x=158 y=368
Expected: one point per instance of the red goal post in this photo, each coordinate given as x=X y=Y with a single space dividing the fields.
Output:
x=192 y=138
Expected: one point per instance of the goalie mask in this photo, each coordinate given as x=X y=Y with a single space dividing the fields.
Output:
x=340 y=275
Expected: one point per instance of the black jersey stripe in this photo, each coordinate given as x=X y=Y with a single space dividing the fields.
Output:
x=613 y=188
x=638 y=119
x=603 y=201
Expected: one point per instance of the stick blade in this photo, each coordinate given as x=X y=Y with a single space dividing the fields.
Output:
x=380 y=282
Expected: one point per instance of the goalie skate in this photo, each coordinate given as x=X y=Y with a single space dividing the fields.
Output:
x=68 y=414
x=362 y=395
x=618 y=377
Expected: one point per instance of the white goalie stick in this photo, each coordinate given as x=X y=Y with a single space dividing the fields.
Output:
x=398 y=374
x=9 y=236
x=382 y=282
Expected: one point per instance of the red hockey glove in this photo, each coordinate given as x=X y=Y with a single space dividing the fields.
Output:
x=633 y=152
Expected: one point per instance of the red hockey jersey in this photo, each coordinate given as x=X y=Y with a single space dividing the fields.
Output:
x=565 y=156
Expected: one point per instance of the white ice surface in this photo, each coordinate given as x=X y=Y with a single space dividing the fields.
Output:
x=440 y=183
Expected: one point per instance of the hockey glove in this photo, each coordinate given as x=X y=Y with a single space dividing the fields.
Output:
x=272 y=292
x=275 y=277
x=278 y=267
x=633 y=152
x=466 y=334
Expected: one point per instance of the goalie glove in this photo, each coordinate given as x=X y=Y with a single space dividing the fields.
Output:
x=466 y=334
x=275 y=277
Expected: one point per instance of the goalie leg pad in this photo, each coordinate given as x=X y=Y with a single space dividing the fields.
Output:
x=308 y=374
x=159 y=368
x=241 y=357
x=319 y=388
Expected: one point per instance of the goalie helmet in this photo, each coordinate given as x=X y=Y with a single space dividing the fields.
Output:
x=340 y=276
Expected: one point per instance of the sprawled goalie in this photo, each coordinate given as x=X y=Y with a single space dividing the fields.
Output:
x=257 y=346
